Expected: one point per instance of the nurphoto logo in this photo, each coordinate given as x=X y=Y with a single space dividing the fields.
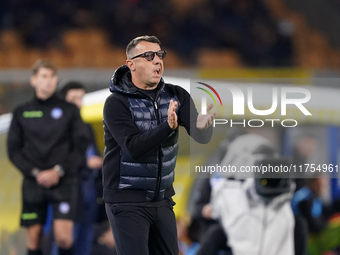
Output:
x=241 y=99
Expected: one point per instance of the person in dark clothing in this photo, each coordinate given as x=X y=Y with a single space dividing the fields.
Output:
x=307 y=203
x=311 y=214
x=87 y=212
x=89 y=209
x=47 y=142
x=201 y=212
x=212 y=236
x=141 y=119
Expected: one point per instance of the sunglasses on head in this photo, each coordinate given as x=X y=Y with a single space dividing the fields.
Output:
x=150 y=55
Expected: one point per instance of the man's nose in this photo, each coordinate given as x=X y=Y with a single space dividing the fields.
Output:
x=156 y=59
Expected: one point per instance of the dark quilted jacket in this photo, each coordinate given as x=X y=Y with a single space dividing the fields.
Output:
x=141 y=149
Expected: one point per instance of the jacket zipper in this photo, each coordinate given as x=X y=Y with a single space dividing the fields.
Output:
x=160 y=155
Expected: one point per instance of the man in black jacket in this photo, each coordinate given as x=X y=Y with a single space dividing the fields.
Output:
x=47 y=142
x=141 y=120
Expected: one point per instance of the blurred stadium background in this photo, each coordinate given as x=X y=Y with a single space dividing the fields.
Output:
x=205 y=39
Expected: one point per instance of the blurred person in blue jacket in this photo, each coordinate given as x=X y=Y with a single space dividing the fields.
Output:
x=311 y=213
x=74 y=92
x=307 y=203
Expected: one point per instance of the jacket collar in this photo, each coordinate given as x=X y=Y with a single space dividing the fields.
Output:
x=46 y=101
x=121 y=82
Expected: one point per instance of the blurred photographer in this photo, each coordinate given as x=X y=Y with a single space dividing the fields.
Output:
x=255 y=212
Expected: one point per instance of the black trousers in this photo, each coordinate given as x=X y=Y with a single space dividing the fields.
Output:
x=143 y=230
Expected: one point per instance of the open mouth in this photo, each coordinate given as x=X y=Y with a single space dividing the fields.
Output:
x=157 y=71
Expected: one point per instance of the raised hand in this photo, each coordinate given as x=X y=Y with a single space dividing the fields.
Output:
x=205 y=121
x=172 y=116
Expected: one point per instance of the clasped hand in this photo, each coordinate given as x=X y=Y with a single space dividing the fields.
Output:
x=48 y=178
x=203 y=121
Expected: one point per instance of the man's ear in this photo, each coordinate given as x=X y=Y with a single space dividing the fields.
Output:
x=131 y=64
x=32 y=81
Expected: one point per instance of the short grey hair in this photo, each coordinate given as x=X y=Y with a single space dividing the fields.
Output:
x=146 y=38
